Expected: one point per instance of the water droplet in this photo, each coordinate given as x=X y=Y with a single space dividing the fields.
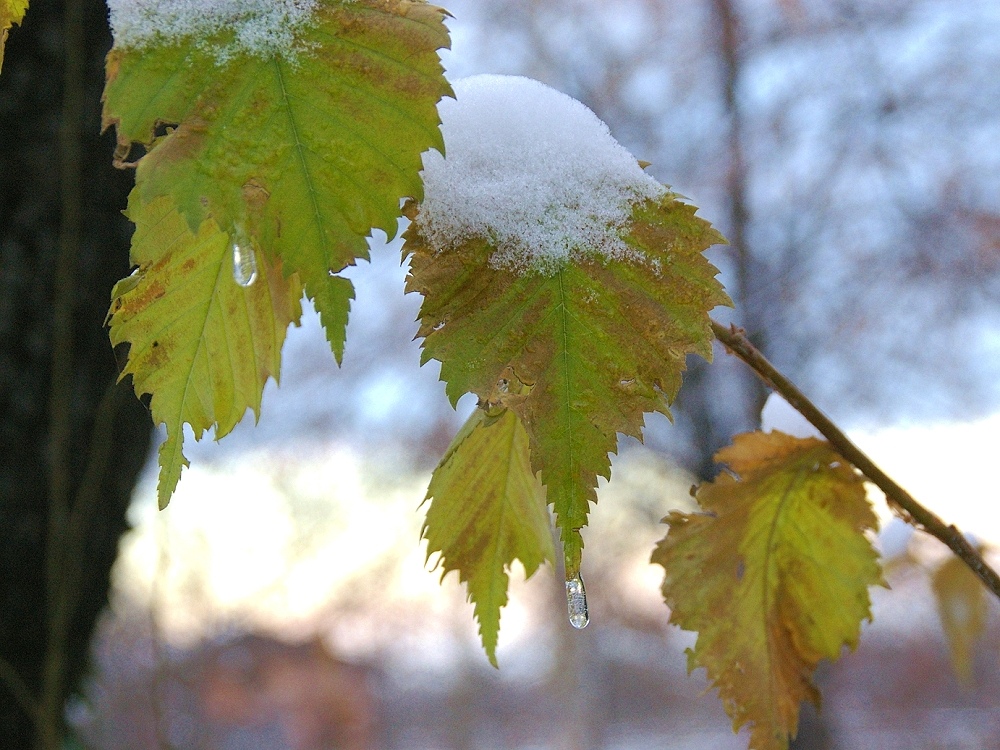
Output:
x=576 y=602
x=244 y=261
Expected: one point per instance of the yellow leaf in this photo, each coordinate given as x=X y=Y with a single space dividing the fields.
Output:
x=773 y=576
x=488 y=509
x=200 y=343
x=11 y=12
x=961 y=601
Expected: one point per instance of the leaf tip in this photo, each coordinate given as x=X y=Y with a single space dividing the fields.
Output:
x=172 y=462
x=491 y=655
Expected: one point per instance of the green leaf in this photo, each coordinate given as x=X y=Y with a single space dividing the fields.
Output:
x=773 y=576
x=487 y=509
x=202 y=345
x=305 y=149
x=596 y=343
x=962 y=605
x=11 y=12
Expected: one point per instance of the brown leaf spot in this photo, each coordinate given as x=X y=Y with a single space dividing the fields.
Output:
x=255 y=195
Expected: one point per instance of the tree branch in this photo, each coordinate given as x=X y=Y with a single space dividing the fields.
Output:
x=737 y=343
x=85 y=507
x=18 y=688
x=50 y=722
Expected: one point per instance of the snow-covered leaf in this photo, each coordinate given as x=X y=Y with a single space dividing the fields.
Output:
x=578 y=323
x=297 y=122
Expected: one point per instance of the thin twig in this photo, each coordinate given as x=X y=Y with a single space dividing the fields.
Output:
x=738 y=344
x=160 y=694
x=727 y=22
x=17 y=687
x=84 y=510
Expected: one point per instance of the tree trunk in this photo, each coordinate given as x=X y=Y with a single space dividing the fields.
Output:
x=71 y=442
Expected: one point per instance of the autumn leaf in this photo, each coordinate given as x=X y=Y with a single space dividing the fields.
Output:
x=773 y=575
x=487 y=509
x=11 y=12
x=202 y=345
x=305 y=130
x=962 y=606
x=596 y=343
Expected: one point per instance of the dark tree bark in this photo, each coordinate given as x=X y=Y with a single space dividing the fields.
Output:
x=71 y=442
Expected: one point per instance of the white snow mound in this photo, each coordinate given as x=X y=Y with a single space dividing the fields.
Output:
x=261 y=27
x=532 y=170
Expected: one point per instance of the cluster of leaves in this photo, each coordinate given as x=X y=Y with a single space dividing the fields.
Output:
x=580 y=354
x=289 y=159
x=576 y=356
x=773 y=574
x=295 y=154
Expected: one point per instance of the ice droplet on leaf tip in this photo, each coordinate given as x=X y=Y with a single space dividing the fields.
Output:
x=576 y=602
x=244 y=263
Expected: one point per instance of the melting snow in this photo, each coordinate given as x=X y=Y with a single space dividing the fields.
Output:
x=532 y=170
x=260 y=27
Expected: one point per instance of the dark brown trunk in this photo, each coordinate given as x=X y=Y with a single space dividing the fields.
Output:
x=71 y=443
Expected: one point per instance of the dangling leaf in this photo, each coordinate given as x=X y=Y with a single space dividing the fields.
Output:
x=962 y=605
x=11 y=12
x=773 y=575
x=488 y=509
x=200 y=343
x=300 y=123
x=596 y=343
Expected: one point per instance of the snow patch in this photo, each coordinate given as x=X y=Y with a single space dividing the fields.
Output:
x=260 y=27
x=533 y=171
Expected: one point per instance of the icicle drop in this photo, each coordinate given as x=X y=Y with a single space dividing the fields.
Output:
x=576 y=602
x=244 y=261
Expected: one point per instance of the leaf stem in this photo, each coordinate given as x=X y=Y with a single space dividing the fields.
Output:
x=738 y=344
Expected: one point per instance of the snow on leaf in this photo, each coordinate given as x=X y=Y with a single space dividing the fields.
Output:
x=488 y=509
x=596 y=343
x=962 y=606
x=11 y=12
x=202 y=345
x=532 y=169
x=258 y=27
x=307 y=146
x=773 y=575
